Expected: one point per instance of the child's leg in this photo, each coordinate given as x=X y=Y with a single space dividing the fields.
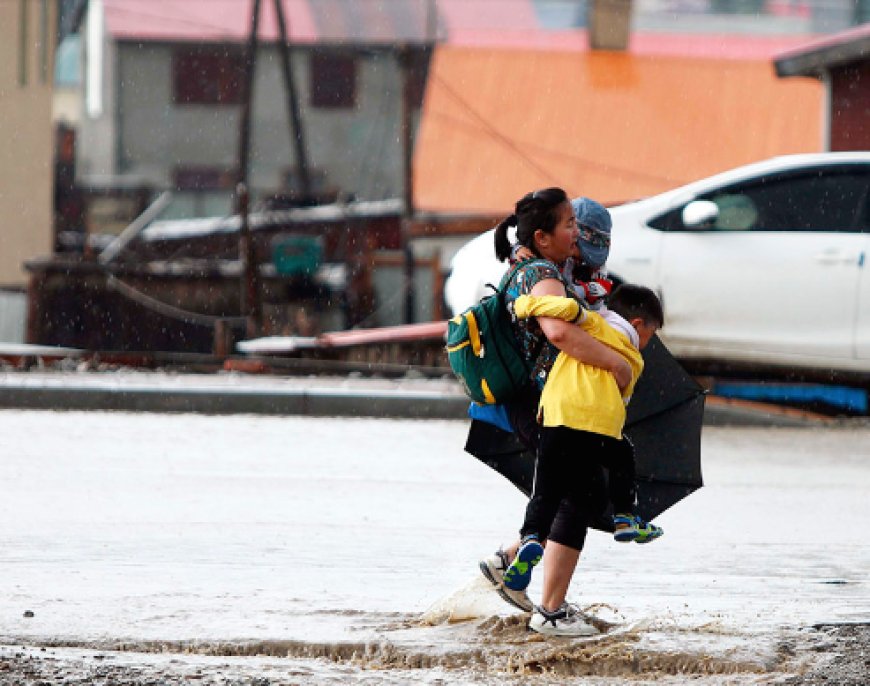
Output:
x=618 y=457
x=630 y=527
x=619 y=460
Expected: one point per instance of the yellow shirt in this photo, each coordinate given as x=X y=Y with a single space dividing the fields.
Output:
x=577 y=395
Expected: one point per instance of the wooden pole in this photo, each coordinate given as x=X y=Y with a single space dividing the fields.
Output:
x=250 y=289
x=297 y=131
x=407 y=141
x=222 y=344
x=250 y=269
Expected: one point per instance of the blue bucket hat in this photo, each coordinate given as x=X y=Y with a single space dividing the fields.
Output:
x=595 y=216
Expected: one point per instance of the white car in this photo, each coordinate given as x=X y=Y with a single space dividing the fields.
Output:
x=762 y=265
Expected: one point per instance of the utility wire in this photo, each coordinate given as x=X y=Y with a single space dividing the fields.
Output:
x=557 y=153
x=492 y=131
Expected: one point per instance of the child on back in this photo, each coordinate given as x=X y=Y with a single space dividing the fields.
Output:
x=585 y=270
x=581 y=397
x=582 y=414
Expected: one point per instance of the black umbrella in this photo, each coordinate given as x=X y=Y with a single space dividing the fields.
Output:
x=664 y=424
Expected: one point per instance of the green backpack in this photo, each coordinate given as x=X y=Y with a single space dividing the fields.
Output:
x=483 y=350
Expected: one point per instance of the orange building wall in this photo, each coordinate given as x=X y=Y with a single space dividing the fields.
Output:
x=614 y=126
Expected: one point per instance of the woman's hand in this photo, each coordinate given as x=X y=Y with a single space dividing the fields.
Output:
x=523 y=253
x=621 y=372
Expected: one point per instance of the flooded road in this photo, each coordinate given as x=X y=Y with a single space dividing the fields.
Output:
x=325 y=551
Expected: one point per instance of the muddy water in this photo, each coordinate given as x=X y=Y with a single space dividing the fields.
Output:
x=344 y=551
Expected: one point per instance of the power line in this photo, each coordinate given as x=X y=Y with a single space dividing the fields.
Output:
x=491 y=130
x=518 y=148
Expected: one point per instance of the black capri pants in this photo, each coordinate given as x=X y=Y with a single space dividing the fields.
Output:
x=570 y=488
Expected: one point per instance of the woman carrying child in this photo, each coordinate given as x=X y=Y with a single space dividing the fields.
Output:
x=546 y=225
x=547 y=229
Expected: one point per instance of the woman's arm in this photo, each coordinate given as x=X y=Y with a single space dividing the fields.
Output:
x=573 y=341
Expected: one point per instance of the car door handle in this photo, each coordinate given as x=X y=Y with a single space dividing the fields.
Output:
x=836 y=257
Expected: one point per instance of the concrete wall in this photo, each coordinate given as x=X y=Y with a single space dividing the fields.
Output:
x=358 y=149
x=26 y=170
x=13 y=316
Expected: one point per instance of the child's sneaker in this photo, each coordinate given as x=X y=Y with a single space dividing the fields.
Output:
x=518 y=575
x=566 y=621
x=493 y=568
x=629 y=527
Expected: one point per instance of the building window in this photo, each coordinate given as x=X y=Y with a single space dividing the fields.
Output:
x=333 y=80
x=208 y=76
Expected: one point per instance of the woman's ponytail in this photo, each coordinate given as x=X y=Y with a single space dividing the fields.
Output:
x=534 y=211
x=502 y=244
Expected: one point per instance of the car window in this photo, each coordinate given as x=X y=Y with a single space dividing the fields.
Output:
x=737 y=212
x=816 y=200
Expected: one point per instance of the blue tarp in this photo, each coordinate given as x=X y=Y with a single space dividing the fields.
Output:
x=852 y=399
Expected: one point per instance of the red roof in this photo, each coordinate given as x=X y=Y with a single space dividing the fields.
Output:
x=365 y=21
x=478 y=23
x=718 y=46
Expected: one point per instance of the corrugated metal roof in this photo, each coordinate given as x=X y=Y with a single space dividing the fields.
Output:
x=613 y=126
x=374 y=21
x=724 y=46
x=201 y=20
x=357 y=21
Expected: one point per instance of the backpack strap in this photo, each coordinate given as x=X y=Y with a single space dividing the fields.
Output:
x=500 y=292
x=505 y=280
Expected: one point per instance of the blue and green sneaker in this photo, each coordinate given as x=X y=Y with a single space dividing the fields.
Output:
x=518 y=574
x=629 y=527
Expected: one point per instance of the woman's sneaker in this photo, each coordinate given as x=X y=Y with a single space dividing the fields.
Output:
x=566 y=621
x=629 y=527
x=493 y=568
x=518 y=575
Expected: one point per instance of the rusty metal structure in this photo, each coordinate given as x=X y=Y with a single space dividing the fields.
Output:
x=168 y=288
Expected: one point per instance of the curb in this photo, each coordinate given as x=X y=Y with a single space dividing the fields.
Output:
x=308 y=402
x=313 y=402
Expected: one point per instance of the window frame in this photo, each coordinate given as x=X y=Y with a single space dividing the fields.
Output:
x=333 y=79
x=220 y=81
x=671 y=220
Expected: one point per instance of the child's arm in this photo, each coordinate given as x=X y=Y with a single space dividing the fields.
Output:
x=569 y=310
x=558 y=307
x=573 y=341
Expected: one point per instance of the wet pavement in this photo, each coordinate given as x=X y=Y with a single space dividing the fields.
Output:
x=154 y=548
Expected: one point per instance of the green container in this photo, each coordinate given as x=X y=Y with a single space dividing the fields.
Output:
x=297 y=256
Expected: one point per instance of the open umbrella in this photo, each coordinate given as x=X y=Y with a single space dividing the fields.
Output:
x=664 y=424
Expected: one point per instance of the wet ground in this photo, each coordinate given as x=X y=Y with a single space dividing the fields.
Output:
x=833 y=656
x=144 y=549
